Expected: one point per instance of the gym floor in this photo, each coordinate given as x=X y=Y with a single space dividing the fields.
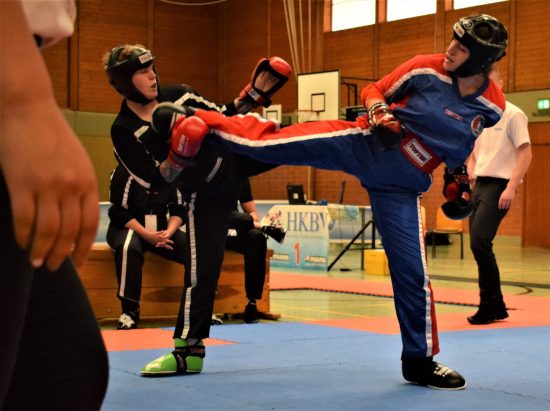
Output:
x=337 y=345
x=524 y=271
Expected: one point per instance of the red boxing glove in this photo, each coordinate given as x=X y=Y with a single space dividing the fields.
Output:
x=268 y=77
x=187 y=136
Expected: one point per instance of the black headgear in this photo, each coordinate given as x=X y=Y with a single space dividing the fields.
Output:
x=120 y=72
x=486 y=39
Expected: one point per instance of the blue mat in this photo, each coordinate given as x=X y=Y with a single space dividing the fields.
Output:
x=295 y=366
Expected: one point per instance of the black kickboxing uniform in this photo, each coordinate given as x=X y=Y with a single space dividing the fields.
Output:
x=210 y=190
x=130 y=201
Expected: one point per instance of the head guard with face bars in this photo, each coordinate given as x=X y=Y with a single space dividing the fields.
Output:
x=486 y=39
x=120 y=72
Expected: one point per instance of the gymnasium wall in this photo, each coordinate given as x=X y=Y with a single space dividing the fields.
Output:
x=214 y=48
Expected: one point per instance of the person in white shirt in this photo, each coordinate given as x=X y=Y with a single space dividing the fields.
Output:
x=500 y=159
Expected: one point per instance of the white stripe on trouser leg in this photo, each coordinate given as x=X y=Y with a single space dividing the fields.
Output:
x=429 y=336
x=192 y=266
x=124 y=268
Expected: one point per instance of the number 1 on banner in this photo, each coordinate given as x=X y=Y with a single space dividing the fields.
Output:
x=297 y=252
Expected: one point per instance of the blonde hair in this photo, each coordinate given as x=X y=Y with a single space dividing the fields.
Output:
x=126 y=52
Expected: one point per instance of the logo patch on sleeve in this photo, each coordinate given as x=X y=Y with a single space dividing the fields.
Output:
x=477 y=125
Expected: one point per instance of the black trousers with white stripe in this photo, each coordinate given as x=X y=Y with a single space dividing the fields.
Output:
x=206 y=235
x=211 y=191
x=130 y=250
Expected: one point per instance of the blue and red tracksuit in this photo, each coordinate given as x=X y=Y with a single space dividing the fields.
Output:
x=442 y=125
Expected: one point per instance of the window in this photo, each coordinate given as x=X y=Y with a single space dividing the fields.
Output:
x=348 y=14
x=462 y=4
x=404 y=9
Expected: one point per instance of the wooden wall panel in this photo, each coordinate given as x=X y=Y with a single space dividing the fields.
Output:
x=536 y=230
x=279 y=46
x=244 y=40
x=532 y=54
x=255 y=29
x=539 y=133
x=400 y=40
x=536 y=218
x=214 y=49
x=272 y=184
x=351 y=51
x=104 y=24
x=57 y=62
x=186 y=46
x=328 y=185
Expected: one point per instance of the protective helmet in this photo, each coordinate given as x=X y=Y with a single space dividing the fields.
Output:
x=485 y=37
x=120 y=72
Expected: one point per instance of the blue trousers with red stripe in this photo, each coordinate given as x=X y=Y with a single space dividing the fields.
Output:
x=393 y=184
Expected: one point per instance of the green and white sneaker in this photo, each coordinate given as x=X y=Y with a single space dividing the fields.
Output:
x=185 y=359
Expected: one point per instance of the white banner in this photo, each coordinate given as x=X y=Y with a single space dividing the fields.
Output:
x=306 y=243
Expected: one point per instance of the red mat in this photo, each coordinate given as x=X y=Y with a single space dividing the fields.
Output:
x=145 y=339
x=525 y=311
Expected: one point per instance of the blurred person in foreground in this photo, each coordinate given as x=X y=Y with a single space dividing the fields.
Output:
x=51 y=348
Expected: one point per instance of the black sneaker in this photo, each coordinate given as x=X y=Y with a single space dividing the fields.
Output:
x=250 y=315
x=501 y=313
x=487 y=314
x=426 y=372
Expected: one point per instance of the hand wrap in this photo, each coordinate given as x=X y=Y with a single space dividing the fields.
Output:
x=383 y=123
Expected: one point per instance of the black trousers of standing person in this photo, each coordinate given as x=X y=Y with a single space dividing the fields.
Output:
x=206 y=233
x=210 y=190
x=484 y=223
x=130 y=251
x=51 y=350
x=252 y=244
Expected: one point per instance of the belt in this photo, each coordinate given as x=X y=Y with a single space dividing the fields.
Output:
x=419 y=154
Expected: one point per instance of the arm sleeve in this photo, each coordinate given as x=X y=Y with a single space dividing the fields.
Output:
x=131 y=153
x=394 y=85
x=176 y=207
x=518 y=130
x=119 y=215
x=191 y=97
x=118 y=212
x=246 y=192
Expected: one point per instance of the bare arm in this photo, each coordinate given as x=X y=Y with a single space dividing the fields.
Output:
x=50 y=178
x=523 y=160
x=470 y=166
